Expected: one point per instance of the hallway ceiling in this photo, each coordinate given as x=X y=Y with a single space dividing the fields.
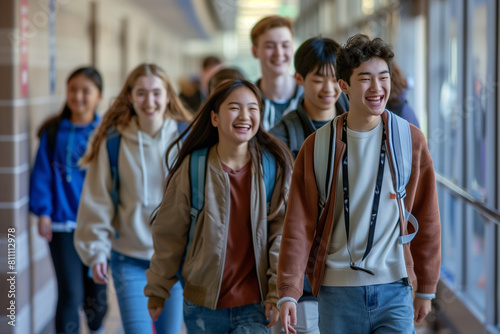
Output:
x=192 y=18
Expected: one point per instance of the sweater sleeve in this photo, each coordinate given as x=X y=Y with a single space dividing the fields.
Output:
x=300 y=224
x=96 y=212
x=275 y=221
x=422 y=202
x=170 y=234
x=40 y=201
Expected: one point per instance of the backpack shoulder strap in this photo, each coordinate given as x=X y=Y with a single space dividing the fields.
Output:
x=113 y=146
x=323 y=169
x=295 y=133
x=197 y=171
x=401 y=153
x=269 y=174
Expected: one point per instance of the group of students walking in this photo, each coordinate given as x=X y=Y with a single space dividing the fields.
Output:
x=208 y=219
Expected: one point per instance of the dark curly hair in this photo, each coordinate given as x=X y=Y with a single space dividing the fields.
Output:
x=358 y=49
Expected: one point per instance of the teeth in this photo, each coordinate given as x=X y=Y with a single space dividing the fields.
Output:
x=242 y=126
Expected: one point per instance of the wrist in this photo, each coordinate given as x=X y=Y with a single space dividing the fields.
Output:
x=426 y=296
x=285 y=299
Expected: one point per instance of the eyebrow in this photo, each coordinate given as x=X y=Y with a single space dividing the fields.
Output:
x=369 y=73
x=238 y=103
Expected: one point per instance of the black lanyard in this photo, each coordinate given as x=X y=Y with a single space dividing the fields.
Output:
x=376 y=198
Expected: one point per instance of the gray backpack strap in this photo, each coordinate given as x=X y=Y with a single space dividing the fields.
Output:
x=324 y=155
x=401 y=152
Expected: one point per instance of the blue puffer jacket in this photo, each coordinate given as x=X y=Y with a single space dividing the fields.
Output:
x=56 y=179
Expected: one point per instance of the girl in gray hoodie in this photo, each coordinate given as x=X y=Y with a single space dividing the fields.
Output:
x=119 y=197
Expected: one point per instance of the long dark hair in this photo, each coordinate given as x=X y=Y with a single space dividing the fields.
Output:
x=203 y=134
x=93 y=75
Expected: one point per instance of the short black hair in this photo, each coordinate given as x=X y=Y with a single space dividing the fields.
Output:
x=316 y=53
x=359 y=49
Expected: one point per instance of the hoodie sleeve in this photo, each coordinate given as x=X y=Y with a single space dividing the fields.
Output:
x=96 y=212
x=40 y=201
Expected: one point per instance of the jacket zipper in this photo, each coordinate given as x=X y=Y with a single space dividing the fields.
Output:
x=226 y=229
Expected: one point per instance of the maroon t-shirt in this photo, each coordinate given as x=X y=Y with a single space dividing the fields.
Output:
x=240 y=285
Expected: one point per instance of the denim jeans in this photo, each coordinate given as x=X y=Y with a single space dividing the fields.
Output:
x=75 y=288
x=249 y=319
x=129 y=276
x=384 y=308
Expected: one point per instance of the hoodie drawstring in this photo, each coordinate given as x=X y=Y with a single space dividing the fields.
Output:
x=143 y=167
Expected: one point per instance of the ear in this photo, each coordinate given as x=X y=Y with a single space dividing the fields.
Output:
x=344 y=86
x=300 y=80
x=254 y=51
x=214 y=118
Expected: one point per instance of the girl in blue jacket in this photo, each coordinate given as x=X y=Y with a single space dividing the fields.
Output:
x=55 y=187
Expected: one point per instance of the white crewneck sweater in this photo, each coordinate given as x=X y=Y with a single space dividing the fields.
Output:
x=386 y=258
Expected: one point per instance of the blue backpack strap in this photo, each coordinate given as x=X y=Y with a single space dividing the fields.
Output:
x=197 y=171
x=269 y=174
x=113 y=146
x=401 y=152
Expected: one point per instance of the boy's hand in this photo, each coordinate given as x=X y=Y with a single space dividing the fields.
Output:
x=272 y=310
x=421 y=307
x=288 y=315
x=154 y=313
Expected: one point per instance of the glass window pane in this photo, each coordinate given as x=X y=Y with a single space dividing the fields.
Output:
x=445 y=132
x=475 y=281
x=476 y=101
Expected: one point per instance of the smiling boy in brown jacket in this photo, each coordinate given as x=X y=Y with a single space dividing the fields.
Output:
x=356 y=263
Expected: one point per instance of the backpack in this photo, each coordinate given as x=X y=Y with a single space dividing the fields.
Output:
x=113 y=146
x=296 y=135
x=401 y=153
x=197 y=173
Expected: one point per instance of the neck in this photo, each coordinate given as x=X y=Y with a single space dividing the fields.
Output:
x=361 y=124
x=234 y=156
x=82 y=119
x=316 y=114
x=277 y=87
x=150 y=128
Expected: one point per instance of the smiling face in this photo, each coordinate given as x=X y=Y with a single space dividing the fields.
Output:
x=82 y=96
x=370 y=85
x=321 y=91
x=149 y=98
x=238 y=118
x=274 y=49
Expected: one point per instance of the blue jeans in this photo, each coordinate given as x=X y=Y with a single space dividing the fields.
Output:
x=236 y=320
x=129 y=276
x=384 y=308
